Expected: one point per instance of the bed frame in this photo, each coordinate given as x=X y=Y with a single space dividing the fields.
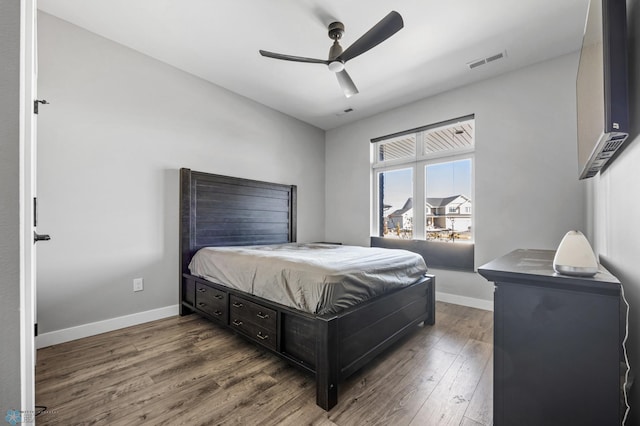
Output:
x=222 y=211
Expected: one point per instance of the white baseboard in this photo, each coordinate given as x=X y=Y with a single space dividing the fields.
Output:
x=471 y=302
x=93 y=328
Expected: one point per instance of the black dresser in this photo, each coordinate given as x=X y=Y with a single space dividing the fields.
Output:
x=557 y=343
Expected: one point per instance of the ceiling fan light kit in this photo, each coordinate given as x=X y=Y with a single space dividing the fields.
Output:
x=388 y=26
x=336 y=66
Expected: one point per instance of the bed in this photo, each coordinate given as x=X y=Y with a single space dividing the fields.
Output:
x=331 y=342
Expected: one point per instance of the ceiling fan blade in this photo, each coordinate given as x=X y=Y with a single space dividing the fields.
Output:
x=348 y=87
x=292 y=58
x=388 y=26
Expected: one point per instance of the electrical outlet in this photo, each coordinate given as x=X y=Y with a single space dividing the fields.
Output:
x=138 y=284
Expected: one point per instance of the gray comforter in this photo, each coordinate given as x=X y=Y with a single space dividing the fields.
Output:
x=316 y=278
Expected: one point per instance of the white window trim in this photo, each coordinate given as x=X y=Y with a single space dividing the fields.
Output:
x=375 y=207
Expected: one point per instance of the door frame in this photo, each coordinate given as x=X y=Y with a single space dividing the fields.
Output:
x=28 y=91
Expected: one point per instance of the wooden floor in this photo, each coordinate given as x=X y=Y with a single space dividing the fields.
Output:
x=187 y=370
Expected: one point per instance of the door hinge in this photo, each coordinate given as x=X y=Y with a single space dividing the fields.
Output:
x=38 y=101
x=35 y=329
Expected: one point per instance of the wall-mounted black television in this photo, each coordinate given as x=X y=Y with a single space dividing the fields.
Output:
x=602 y=86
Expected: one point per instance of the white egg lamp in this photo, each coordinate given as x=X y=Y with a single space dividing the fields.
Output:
x=575 y=256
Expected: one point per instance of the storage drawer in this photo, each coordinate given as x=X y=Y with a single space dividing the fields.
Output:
x=253 y=320
x=254 y=313
x=255 y=332
x=211 y=301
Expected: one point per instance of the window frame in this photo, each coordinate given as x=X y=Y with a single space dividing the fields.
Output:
x=439 y=254
x=419 y=187
x=450 y=159
x=420 y=154
x=375 y=206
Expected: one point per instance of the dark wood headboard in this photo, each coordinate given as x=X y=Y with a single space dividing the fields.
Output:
x=220 y=210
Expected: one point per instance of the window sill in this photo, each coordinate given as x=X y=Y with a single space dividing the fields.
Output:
x=437 y=254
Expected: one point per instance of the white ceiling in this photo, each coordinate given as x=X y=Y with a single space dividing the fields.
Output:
x=218 y=40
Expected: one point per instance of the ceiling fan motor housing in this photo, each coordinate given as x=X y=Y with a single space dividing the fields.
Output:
x=336 y=29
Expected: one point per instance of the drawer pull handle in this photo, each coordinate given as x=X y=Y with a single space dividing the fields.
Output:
x=217 y=313
x=262 y=336
x=219 y=296
x=202 y=305
x=237 y=322
x=262 y=316
x=238 y=304
x=202 y=289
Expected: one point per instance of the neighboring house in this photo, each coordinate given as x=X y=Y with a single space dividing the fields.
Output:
x=402 y=217
x=452 y=212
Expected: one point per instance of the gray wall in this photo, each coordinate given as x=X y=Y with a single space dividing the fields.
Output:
x=527 y=194
x=119 y=127
x=614 y=209
x=9 y=206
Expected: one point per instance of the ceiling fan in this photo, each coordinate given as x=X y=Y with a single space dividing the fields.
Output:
x=388 y=26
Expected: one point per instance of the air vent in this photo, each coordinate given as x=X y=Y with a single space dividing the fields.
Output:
x=495 y=57
x=613 y=145
x=602 y=153
x=475 y=64
x=483 y=61
x=591 y=173
x=346 y=111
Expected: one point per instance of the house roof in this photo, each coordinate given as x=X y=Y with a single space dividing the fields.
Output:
x=431 y=202
x=442 y=202
x=408 y=205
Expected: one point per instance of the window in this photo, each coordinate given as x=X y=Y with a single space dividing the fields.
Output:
x=423 y=185
x=396 y=194
x=449 y=184
x=402 y=148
